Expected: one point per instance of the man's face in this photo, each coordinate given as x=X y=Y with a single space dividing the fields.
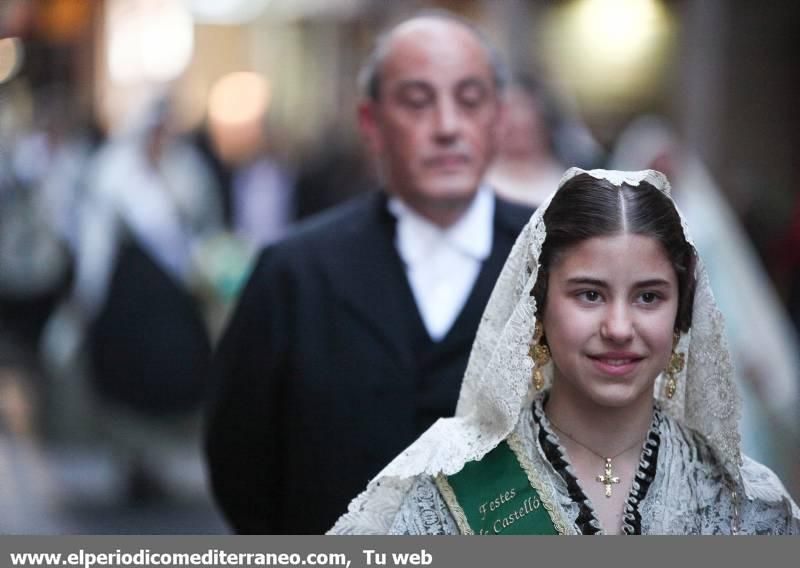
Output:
x=433 y=125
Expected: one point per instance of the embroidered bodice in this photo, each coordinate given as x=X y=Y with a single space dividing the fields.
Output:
x=679 y=489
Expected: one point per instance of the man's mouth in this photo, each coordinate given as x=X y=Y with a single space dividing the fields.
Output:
x=447 y=161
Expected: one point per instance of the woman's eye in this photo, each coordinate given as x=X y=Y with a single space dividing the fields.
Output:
x=590 y=296
x=649 y=297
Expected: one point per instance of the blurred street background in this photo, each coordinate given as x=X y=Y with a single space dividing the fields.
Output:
x=149 y=148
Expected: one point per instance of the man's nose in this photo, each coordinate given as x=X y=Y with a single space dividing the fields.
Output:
x=617 y=325
x=446 y=121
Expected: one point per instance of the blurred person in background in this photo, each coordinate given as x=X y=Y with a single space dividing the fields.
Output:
x=42 y=164
x=352 y=334
x=535 y=139
x=763 y=343
x=258 y=200
x=526 y=168
x=151 y=204
x=51 y=158
x=30 y=500
x=262 y=201
x=49 y=161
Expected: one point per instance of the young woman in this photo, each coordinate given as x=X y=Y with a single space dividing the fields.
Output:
x=598 y=396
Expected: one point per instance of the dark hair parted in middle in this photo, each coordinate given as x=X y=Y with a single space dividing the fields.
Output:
x=587 y=207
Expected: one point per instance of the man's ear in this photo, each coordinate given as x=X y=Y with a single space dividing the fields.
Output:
x=369 y=127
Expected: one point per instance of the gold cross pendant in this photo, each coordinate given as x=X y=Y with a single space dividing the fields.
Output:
x=608 y=478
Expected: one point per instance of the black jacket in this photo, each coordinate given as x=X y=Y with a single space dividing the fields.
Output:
x=326 y=371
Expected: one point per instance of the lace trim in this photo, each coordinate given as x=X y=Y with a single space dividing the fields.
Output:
x=654 y=178
x=545 y=495
x=736 y=520
x=587 y=521
x=645 y=474
x=452 y=503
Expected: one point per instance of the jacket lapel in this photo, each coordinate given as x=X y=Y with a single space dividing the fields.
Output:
x=369 y=279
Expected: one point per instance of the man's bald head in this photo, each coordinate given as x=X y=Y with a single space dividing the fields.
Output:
x=369 y=78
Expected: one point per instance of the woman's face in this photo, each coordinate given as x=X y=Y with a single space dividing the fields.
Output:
x=609 y=318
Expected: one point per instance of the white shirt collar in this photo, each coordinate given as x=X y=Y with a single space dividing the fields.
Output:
x=471 y=235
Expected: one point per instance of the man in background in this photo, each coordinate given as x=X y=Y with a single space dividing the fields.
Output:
x=352 y=335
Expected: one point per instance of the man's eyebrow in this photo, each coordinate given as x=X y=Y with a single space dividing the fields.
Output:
x=411 y=84
x=473 y=81
x=465 y=82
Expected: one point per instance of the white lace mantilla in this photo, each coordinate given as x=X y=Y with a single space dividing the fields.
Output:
x=690 y=493
x=497 y=384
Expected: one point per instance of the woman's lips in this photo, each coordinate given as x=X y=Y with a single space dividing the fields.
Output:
x=616 y=365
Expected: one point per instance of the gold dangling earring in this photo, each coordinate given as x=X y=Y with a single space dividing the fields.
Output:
x=676 y=363
x=540 y=353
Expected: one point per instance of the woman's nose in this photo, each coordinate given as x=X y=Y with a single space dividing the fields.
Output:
x=617 y=325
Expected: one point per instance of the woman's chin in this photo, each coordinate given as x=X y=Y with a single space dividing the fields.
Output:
x=619 y=396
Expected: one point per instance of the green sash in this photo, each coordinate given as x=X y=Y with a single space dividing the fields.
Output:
x=500 y=494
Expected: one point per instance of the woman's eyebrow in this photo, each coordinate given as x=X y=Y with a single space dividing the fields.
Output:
x=587 y=281
x=653 y=283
